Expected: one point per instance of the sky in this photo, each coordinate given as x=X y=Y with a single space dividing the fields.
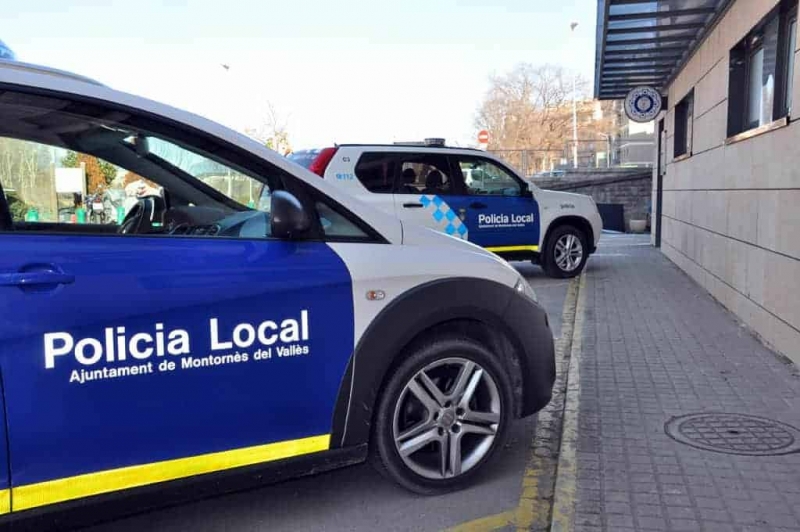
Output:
x=335 y=71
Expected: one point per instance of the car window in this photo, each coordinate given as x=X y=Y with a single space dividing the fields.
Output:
x=51 y=184
x=376 y=172
x=482 y=177
x=104 y=171
x=336 y=226
x=234 y=184
x=425 y=174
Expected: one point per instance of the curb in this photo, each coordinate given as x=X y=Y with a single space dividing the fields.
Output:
x=565 y=492
x=536 y=505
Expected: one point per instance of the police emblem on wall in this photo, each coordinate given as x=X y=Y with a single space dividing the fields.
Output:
x=643 y=104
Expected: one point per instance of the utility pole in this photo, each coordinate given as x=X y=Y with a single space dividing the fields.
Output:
x=572 y=27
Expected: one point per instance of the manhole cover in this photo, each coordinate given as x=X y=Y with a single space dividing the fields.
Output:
x=734 y=434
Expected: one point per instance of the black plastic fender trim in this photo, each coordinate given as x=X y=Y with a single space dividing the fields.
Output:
x=404 y=319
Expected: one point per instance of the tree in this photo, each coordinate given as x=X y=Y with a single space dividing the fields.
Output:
x=99 y=173
x=272 y=132
x=530 y=107
x=26 y=168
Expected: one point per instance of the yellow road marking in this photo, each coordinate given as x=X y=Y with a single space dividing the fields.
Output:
x=565 y=494
x=65 y=489
x=539 y=482
x=491 y=522
x=501 y=249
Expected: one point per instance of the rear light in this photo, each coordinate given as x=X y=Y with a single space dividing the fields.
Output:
x=322 y=161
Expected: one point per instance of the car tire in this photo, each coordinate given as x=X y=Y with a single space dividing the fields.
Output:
x=439 y=443
x=565 y=252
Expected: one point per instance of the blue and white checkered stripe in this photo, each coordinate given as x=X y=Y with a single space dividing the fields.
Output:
x=447 y=220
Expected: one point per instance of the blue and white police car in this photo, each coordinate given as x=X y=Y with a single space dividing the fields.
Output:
x=241 y=314
x=468 y=194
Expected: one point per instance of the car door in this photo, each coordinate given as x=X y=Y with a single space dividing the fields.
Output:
x=129 y=359
x=497 y=208
x=427 y=193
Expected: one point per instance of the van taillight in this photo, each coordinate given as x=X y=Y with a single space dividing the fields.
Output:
x=322 y=161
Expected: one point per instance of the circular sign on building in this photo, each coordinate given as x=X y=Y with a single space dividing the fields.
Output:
x=643 y=104
x=483 y=137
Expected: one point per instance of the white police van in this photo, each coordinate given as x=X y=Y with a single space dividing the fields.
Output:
x=468 y=194
x=243 y=312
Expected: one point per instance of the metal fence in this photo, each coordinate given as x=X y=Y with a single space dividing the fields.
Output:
x=585 y=155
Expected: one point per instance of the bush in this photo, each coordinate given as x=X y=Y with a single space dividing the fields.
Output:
x=17 y=207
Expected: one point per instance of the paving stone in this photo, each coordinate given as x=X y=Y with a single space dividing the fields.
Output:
x=656 y=345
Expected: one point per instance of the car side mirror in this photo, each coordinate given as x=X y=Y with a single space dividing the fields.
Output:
x=528 y=190
x=289 y=218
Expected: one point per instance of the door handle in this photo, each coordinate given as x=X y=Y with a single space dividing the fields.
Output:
x=413 y=205
x=477 y=205
x=23 y=279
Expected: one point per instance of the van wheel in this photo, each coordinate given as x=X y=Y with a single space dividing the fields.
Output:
x=565 y=252
x=442 y=415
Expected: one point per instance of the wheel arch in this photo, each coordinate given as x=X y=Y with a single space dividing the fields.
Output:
x=472 y=308
x=574 y=220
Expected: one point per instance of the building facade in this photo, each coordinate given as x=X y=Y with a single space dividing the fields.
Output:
x=727 y=173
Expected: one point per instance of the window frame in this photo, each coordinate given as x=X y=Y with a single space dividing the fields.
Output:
x=456 y=185
x=785 y=81
x=391 y=179
x=455 y=160
x=223 y=151
x=741 y=55
x=684 y=126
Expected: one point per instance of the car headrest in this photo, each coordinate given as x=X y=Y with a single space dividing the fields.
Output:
x=434 y=179
x=409 y=176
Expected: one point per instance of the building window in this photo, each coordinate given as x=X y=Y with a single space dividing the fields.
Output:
x=683 y=125
x=790 y=48
x=762 y=67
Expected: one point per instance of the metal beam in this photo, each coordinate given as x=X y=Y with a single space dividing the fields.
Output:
x=620 y=62
x=617 y=84
x=635 y=70
x=640 y=74
x=650 y=40
x=660 y=27
x=603 y=7
x=642 y=55
x=662 y=14
x=646 y=50
x=634 y=79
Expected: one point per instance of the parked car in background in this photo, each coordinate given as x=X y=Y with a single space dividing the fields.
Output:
x=468 y=194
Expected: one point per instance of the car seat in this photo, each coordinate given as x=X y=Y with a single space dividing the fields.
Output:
x=6 y=222
x=409 y=180
x=434 y=182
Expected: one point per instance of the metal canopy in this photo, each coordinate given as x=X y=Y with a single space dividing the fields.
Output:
x=645 y=42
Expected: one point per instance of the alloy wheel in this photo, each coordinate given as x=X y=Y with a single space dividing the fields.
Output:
x=446 y=418
x=568 y=252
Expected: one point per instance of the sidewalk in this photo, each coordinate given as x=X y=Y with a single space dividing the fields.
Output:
x=656 y=346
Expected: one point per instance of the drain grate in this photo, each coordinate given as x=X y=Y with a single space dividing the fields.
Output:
x=734 y=434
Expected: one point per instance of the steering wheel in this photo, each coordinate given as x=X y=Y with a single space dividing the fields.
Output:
x=142 y=215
